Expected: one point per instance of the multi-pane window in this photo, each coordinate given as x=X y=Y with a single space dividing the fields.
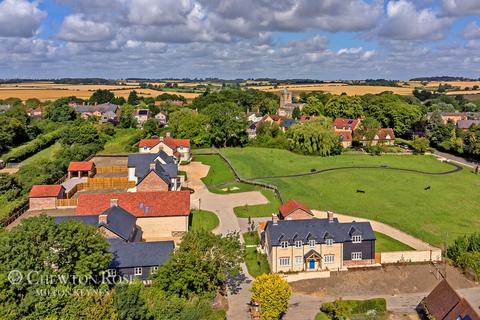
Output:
x=284 y=244
x=329 y=258
x=356 y=256
x=298 y=244
x=153 y=270
x=356 y=239
x=298 y=260
x=137 y=271
x=284 y=261
x=329 y=242
x=311 y=243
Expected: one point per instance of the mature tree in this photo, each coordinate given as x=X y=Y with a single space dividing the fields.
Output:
x=313 y=107
x=227 y=124
x=133 y=98
x=9 y=186
x=272 y=293
x=186 y=124
x=60 y=112
x=129 y=302
x=12 y=132
x=296 y=113
x=268 y=129
x=202 y=263
x=126 y=118
x=102 y=96
x=470 y=107
x=83 y=134
x=315 y=137
x=90 y=307
x=118 y=101
x=368 y=128
x=344 y=107
x=150 y=127
x=420 y=144
x=32 y=103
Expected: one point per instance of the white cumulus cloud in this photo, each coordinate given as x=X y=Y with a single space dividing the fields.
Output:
x=20 y=18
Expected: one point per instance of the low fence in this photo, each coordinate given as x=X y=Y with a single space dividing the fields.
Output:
x=107 y=180
x=411 y=256
x=66 y=202
x=101 y=185
x=112 y=169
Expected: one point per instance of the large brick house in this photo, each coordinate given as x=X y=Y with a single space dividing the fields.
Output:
x=131 y=257
x=317 y=244
x=43 y=197
x=159 y=215
x=178 y=148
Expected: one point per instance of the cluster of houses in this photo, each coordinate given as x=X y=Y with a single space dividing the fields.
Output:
x=143 y=224
x=463 y=120
x=295 y=241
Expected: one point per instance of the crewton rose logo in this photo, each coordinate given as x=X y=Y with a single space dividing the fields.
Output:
x=15 y=276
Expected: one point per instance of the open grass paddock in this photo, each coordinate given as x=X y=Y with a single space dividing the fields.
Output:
x=449 y=208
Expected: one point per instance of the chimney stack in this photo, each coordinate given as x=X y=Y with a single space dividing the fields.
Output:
x=113 y=203
x=330 y=216
x=167 y=134
x=152 y=166
x=102 y=219
x=274 y=219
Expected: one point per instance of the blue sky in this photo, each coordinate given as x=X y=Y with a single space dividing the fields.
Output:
x=321 y=39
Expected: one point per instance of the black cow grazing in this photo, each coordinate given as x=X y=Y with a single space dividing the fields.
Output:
x=427 y=188
x=360 y=191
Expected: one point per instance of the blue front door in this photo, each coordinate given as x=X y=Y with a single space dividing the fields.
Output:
x=311 y=264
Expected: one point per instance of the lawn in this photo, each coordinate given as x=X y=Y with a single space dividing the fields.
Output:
x=205 y=220
x=256 y=262
x=260 y=210
x=220 y=178
x=123 y=141
x=385 y=243
x=356 y=309
x=44 y=155
x=251 y=238
x=397 y=198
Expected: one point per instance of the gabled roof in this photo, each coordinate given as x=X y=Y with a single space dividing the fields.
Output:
x=292 y=205
x=104 y=107
x=306 y=118
x=44 y=191
x=81 y=166
x=141 y=161
x=149 y=143
x=465 y=124
x=139 y=254
x=345 y=124
x=345 y=135
x=139 y=204
x=445 y=303
x=314 y=229
x=384 y=132
x=175 y=143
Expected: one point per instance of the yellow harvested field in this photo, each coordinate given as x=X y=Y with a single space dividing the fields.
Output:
x=337 y=89
x=435 y=84
x=463 y=92
x=51 y=91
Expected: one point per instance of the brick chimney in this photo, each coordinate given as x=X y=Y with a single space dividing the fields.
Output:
x=102 y=219
x=152 y=166
x=167 y=134
x=274 y=219
x=330 y=216
x=113 y=203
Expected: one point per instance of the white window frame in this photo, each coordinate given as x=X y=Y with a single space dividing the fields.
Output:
x=357 y=239
x=137 y=271
x=153 y=270
x=298 y=244
x=331 y=258
x=284 y=244
x=312 y=243
x=357 y=255
x=298 y=260
x=111 y=272
x=329 y=242
x=284 y=261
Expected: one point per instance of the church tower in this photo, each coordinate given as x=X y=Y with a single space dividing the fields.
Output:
x=285 y=98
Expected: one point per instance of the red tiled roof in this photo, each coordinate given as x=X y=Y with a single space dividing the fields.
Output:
x=175 y=143
x=177 y=154
x=345 y=134
x=384 y=132
x=345 y=124
x=43 y=191
x=306 y=118
x=150 y=143
x=159 y=203
x=292 y=205
x=81 y=166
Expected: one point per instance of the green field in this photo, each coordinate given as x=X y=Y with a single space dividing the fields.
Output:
x=393 y=197
x=260 y=210
x=205 y=220
x=256 y=262
x=122 y=142
x=385 y=243
x=220 y=176
x=44 y=155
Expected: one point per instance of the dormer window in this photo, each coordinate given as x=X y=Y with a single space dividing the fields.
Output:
x=356 y=239
x=311 y=243
x=284 y=244
x=298 y=244
x=329 y=242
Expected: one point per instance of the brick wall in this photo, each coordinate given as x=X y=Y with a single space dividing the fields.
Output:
x=42 y=203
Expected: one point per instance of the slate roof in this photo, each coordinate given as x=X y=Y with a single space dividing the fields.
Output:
x=287 y=123
x=139 y=204
x=139 y=254
x=141 y=162
x=104 y=107
x=292 y=205
x=316 y=229
x=445 y=303
x=45 y=191
x=80 y=166
x=119 y=221
x=465 y=124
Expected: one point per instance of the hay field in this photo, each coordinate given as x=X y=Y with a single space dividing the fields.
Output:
x=337 y=89
x=435 y=84
x=51 y=91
